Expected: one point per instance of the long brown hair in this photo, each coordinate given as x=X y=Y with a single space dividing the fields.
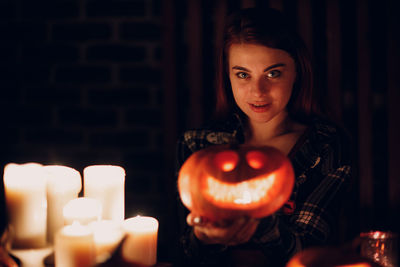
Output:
x=270 y=28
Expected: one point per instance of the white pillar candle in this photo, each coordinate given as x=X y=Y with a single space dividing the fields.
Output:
x=140 y=246
x=74 y=246
x=63 y=184
x=25 y=192
x=83 y=210
x=107 y=235
x=29 y=257
x=107 y=184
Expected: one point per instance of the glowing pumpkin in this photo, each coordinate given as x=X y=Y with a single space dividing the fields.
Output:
x=329 y=257
x=223 y=182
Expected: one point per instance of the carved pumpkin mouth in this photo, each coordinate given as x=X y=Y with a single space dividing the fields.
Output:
x=242 y=195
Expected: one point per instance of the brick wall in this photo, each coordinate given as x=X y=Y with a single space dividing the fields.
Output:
x=80 y=85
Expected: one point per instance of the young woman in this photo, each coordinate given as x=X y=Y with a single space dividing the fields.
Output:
x=265 y=97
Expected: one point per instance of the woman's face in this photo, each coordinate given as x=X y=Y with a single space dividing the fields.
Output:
x=262 y=79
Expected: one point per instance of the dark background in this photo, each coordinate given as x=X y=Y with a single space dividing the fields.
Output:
x=88 y=82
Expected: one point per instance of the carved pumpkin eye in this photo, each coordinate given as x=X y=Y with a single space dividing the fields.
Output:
x=226 y=161
x=256 y=159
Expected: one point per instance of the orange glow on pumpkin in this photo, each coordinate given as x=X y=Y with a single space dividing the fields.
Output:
x=221 y=182
x=329 y=257
x=356 y=265
x=185 y=196
x=297 y=263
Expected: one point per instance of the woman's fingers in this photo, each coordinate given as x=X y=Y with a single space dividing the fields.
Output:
x=193 y=220
x=209 y=234
x=189 y=219
x=245 y=232
x=231 y=232
x=214 y=232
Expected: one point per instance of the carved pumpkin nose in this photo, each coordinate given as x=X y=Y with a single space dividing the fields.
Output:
x=226 y=161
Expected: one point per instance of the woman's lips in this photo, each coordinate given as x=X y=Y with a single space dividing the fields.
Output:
x=259 y=107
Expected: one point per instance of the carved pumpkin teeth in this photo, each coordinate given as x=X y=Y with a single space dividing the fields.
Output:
x=242 y=194
x=246 y=198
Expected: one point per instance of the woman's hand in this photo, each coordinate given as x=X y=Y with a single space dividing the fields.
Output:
x=225 y=232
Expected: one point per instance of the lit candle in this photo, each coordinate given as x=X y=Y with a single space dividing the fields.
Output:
x=63 y=184
x=140 y=246
x=83 y=210
x=107 y=184
x=25 y=192
x=74 y=246
x=107 y=235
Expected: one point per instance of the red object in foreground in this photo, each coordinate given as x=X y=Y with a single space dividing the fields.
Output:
x=223 y=182
x=329 y=257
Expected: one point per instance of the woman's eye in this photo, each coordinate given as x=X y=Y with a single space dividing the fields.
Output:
x=242 y=75
x=273 y=74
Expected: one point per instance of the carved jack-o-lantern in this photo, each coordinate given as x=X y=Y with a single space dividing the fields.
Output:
x=222 y=182
x=329 y=257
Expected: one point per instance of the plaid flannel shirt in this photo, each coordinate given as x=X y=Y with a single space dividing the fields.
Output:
x=321 y=160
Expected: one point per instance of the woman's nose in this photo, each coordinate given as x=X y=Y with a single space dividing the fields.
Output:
x=259 y=87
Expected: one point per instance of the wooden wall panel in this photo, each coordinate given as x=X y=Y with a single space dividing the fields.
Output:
x=365 y=114
x=333 y=36
x=169 y=74
x=304 y=24
x=195 y=62
x=220 y=14
x=393 y=111
x=277 y=4
x=248 y=3
x=169 y=114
